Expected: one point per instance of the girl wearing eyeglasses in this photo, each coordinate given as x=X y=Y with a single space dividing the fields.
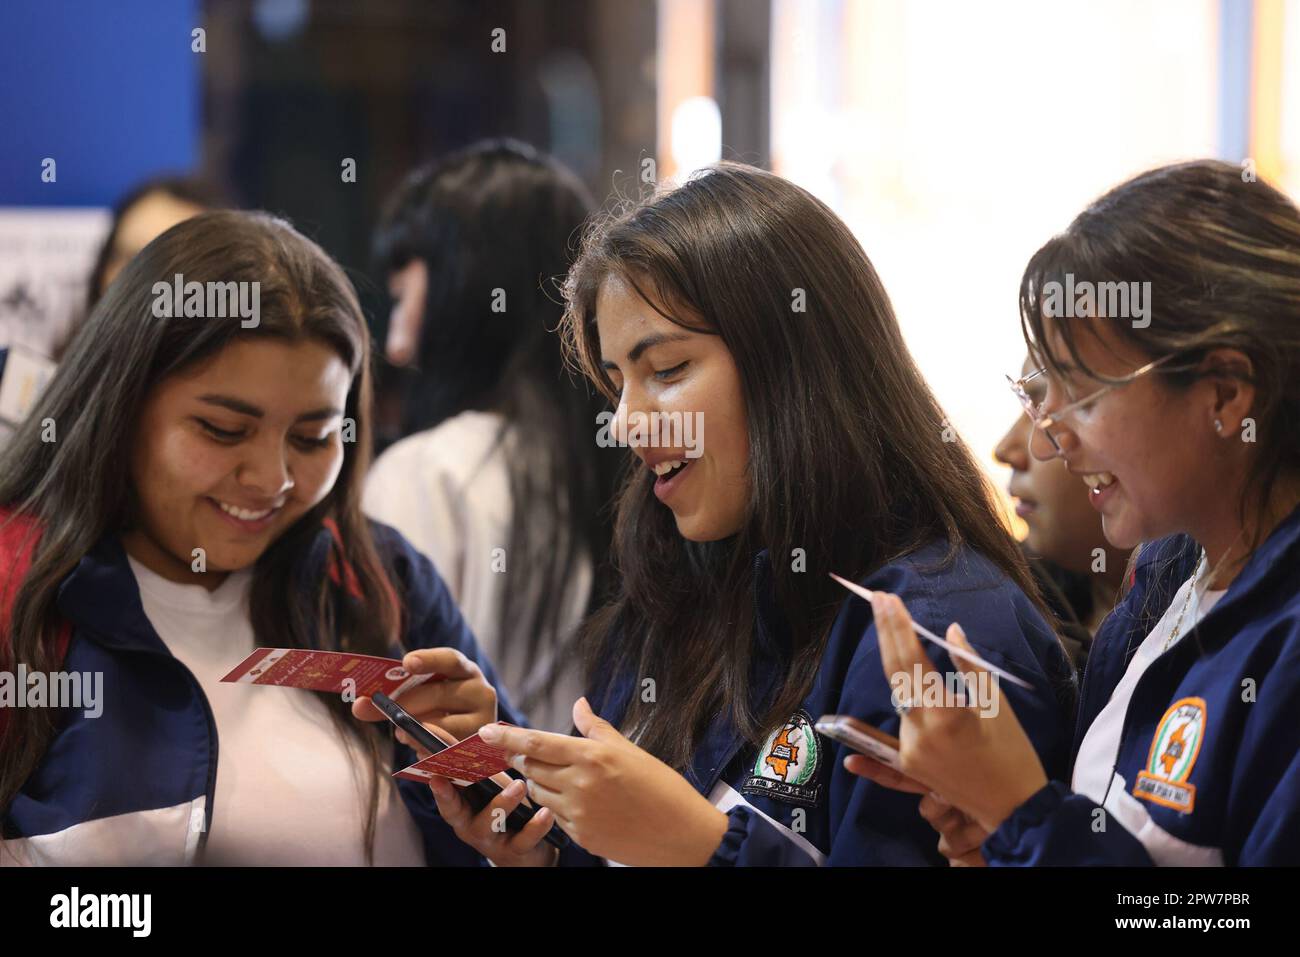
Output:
x=1185 y=427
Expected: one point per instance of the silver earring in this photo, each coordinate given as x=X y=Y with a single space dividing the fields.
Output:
x=1218 y=426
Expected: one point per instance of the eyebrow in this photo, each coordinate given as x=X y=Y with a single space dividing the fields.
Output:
x=649 y=342
x=245 y=408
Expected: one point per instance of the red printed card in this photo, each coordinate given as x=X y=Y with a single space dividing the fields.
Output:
x=464 y=762
x=333 y=671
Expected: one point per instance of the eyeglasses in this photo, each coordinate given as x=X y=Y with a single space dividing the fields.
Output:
x=1043 y=421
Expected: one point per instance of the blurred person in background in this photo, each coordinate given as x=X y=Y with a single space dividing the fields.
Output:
x=147 y=211
x=499 y=479
x=1064 y=533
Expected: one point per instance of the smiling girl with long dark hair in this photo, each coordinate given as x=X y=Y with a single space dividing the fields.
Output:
x=740 y=298
x=188 y=488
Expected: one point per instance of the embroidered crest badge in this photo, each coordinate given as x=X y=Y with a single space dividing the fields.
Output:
x=787 y=764
x=1174 y=748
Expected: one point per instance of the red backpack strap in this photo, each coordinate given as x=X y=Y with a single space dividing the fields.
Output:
x=19 y=535
x=338 y=560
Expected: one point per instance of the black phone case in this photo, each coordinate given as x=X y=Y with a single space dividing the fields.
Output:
x=479 y=794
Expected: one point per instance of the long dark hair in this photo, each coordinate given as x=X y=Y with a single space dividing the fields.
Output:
x=1222 y=255
x=78 y=488
x=499 y=215
x=851 y=459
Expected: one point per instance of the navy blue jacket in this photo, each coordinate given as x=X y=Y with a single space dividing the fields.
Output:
x=149 y=761
x=1209 y=755
x=801 y=807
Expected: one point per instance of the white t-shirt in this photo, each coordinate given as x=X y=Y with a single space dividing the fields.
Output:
x=290 y=790
x=447 y=490
x=1094 y=774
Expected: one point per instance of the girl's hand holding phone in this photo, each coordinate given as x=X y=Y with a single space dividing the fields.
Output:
x=984 y=766
x=485 y=831
x=610 y=796
x=460 y=703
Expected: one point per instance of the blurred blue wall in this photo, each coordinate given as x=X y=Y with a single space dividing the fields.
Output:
x=1236 y=39
x=108 y=88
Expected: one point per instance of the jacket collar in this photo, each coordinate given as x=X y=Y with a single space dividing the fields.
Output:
x=722 y=741
x=1172 y=562
x=1276 y=556
x=102 y=600
x=101 y=597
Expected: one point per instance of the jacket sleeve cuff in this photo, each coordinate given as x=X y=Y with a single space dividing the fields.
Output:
x=728 y=851
x=1007 y=844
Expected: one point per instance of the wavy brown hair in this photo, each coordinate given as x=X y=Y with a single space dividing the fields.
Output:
x=78 y=488
x=847 y=461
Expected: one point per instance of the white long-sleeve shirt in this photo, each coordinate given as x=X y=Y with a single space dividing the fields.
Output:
x=447 y=489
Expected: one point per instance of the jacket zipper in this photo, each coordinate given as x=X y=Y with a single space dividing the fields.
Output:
x=213 y=743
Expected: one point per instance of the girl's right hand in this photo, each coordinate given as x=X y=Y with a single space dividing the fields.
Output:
x=523 y=848
x=960 y=837
x=985 y=765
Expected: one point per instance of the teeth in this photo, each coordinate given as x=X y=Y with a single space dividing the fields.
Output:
x=663 y=468
x=1098 y=480
x=244 y=514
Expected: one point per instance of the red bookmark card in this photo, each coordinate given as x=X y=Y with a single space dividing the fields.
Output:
x=333 y=671
x=465 y=762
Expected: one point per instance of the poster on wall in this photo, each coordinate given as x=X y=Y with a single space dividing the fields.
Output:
x=45 y=260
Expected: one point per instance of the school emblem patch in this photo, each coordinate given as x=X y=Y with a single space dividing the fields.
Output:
x=1173 y=755
x=787 y=763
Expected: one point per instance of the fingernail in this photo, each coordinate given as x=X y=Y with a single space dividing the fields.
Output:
x=490 y=733
x=517 y=762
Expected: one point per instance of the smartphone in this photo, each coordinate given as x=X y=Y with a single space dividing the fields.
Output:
x=861 y=737
x=479 y=794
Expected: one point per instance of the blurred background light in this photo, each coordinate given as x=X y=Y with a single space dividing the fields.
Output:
x=696 y=134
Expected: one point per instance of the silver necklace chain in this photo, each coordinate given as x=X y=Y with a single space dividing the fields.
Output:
x=1173 y=634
